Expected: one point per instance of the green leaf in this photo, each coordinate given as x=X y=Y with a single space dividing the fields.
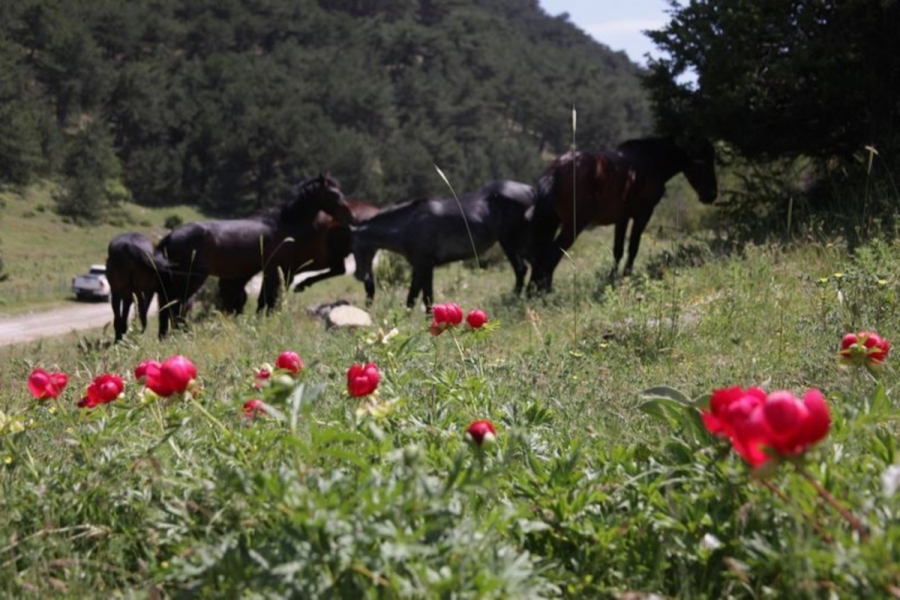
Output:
x=666 y=392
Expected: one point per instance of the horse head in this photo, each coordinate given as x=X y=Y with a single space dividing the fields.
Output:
x=700 y=171
x=332 y=201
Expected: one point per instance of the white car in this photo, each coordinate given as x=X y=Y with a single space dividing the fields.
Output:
x=91 y=285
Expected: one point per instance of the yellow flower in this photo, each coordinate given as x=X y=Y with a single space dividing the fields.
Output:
x=8 y=459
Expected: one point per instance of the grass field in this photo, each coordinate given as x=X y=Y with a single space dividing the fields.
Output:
x=43 y=251
x=590 y=492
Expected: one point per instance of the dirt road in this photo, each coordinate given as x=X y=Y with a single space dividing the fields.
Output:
x=28 y=327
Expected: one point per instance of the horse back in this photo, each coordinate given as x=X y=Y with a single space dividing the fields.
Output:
x=132 y=264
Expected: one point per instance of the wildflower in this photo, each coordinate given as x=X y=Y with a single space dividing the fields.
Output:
x=476 y=319
x=43 y=385
x=263 y=375
x=362 y=380
x=482 y=433
x=289 y=361
x=445 y=315
x=140 y=371
x=865 y=348
x=102 y=390
x=760 y=426
x=174 y=375
x=253 y=407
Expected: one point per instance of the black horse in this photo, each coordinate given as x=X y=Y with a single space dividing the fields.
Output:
x=237 y=249
x=612 y=188
x=135 y=272
x=430 y=232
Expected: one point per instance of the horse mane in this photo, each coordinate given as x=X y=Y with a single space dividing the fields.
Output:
x=297 y=200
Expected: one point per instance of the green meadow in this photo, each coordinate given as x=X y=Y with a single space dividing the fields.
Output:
x=594 y=489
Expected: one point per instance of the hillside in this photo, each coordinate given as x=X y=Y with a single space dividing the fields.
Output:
x=219 y=104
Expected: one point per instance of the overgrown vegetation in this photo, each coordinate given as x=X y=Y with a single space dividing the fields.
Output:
x=585 y=495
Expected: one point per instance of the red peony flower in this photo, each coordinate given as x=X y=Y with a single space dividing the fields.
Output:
x=439 y=312
x=476 y=319
x=140 y=371
x=362 y=380
x=43 y=385
x=445 y=315
x=103 y=390
x=173 y=376
x=289 y=361
x=865 y=348
x=759 y=426
x=482 y=433
x=454 y=313
x=253 y=407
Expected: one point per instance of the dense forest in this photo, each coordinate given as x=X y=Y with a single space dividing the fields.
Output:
x=222 y=104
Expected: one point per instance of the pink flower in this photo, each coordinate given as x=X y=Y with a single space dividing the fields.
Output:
x=253 y=407
x=43 y=385
x=362 y=380
x=865 y=348
x=173 y=376
x=103 y=390
x=476 y=319
x=289 y=361
x=482 y=433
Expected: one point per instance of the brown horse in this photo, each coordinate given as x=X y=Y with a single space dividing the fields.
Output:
x=326 y=248
x=135 y=271
x=611 y=188
x=237 y=249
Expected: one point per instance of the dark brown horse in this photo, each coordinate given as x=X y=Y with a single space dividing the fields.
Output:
x=135 y=272
x=326 y=248
x=579 y=189
x=430 y=232
x=237 y=249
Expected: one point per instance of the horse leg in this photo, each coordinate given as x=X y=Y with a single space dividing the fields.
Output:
x=232 y=296
x=369 y=285
x=143 y=307
x=563 y=242
x=544 y=224
x=518 y=264
x=428 y=288
x=268 y=295
x=118 y=325
x=415 y=287
x=619 y=246
x=634 y=239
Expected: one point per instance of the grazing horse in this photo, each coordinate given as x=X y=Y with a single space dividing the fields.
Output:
x=135 y=271
x=326 y=248
x=611 y=188
x=237 y=249
x=430 y=232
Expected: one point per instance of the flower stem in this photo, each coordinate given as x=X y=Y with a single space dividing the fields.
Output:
x=848 y=516
x=809 y=518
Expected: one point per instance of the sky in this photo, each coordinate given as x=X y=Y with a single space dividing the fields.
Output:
x=616 y=23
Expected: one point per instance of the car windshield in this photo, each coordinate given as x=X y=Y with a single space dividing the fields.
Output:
x=97 y=271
